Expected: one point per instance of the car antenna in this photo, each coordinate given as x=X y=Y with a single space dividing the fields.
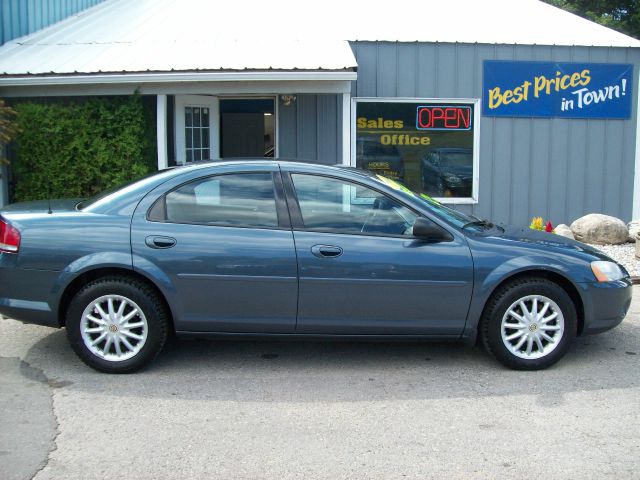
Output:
x=49 y=198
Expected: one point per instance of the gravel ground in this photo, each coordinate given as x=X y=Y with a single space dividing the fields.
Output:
x=623 y=254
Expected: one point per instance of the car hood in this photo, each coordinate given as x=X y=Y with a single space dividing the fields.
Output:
x=524 y=236
x=460 y=171
x=42 y=206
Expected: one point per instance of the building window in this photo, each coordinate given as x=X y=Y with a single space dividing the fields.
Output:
x=429 y=145
x=196 y=130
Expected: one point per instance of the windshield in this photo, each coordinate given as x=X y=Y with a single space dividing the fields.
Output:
x=456 y=159
x=458 y=219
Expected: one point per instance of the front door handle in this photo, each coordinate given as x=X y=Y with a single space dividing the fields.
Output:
x=326 y=251
x=158 y=241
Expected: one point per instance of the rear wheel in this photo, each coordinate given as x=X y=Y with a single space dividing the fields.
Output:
x=528 y=324
x=117 y=324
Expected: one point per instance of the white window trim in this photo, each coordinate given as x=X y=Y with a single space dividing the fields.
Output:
x=210 y=102
x=476 y=137
x=161 y=131
x=347 y=157
x=635 y=205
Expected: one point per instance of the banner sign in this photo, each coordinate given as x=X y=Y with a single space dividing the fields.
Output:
x=547 y=89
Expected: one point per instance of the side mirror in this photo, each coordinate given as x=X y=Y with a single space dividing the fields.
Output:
x=427 y=230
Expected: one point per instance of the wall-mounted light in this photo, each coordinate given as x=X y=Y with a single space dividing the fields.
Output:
x=287 y=99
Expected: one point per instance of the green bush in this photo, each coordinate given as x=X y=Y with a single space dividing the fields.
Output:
x=80 y=148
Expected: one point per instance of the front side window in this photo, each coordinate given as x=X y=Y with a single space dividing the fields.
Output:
x=337 y=206
x=426 y=144
x=237 y=200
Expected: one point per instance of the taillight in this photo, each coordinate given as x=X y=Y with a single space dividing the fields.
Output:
x=9 y=237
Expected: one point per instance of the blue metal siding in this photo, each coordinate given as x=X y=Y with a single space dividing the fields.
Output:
x=21 y=17
x=310 y=128
x=555 y=168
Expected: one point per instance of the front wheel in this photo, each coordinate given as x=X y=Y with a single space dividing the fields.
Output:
x=117 y=324
x=528 y=324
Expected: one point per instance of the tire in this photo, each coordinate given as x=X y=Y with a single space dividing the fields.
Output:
x=117 y=324
x=514 y=335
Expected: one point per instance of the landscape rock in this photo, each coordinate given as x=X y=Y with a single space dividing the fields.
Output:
x=600 y=229
x=563 y=230
x=634 y=229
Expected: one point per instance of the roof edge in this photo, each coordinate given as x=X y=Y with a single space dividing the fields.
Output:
x=177 y=77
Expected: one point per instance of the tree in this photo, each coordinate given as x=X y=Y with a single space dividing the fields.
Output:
x=621 y=15
x=8 y=128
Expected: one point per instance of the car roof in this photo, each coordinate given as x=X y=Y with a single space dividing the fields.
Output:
x=451 y=149
x=306 y=164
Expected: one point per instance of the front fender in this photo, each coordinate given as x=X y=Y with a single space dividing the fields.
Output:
x=488 y=278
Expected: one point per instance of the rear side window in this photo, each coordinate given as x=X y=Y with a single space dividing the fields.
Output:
x=235 y=200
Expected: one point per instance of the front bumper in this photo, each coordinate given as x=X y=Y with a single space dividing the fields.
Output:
x=605 y=304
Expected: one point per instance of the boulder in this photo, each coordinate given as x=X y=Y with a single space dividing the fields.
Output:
x=563 y=230
x=634 y=229
x=600 y=229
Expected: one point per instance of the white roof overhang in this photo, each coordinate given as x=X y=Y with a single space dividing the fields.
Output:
x=119 y=42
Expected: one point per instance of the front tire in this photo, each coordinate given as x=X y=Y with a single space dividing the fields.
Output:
x=117 y=324
x=528 y=324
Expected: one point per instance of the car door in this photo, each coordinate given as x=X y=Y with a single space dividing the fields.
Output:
x=362 y=272
x=222 y=249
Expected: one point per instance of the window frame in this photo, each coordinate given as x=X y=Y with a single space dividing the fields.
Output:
x=473 y=200
x=295 y=212
x=282 y=213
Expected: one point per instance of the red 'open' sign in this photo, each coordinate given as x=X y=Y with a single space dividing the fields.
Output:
x=443 y=117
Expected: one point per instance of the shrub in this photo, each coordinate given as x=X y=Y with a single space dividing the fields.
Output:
x=80 y=148
x=8 y=127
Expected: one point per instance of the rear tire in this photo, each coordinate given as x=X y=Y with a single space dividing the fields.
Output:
x=528 y=324
x=117 y=324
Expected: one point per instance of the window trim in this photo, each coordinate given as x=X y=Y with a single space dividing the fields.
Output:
x=473 y=200
x=297 y=222
x=282 y=214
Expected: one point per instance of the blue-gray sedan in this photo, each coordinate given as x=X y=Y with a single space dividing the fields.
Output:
x=285 y=249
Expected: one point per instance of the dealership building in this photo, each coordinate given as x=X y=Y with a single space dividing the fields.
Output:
x=503 y=109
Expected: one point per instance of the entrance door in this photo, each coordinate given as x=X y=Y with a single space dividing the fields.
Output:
x=196 y=132
x=247 y=127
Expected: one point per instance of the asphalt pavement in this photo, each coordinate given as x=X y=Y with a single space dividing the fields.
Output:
x=319 y=410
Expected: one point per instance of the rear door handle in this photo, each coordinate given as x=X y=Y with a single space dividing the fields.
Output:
x=326 y=251
x=158 y=241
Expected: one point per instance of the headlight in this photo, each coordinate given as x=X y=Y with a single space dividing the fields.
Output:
x=606 y=271
x=451 y=178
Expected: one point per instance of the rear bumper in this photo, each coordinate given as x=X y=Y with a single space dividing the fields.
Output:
x=605 y=304
x=26 y=295
x=29 y=312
